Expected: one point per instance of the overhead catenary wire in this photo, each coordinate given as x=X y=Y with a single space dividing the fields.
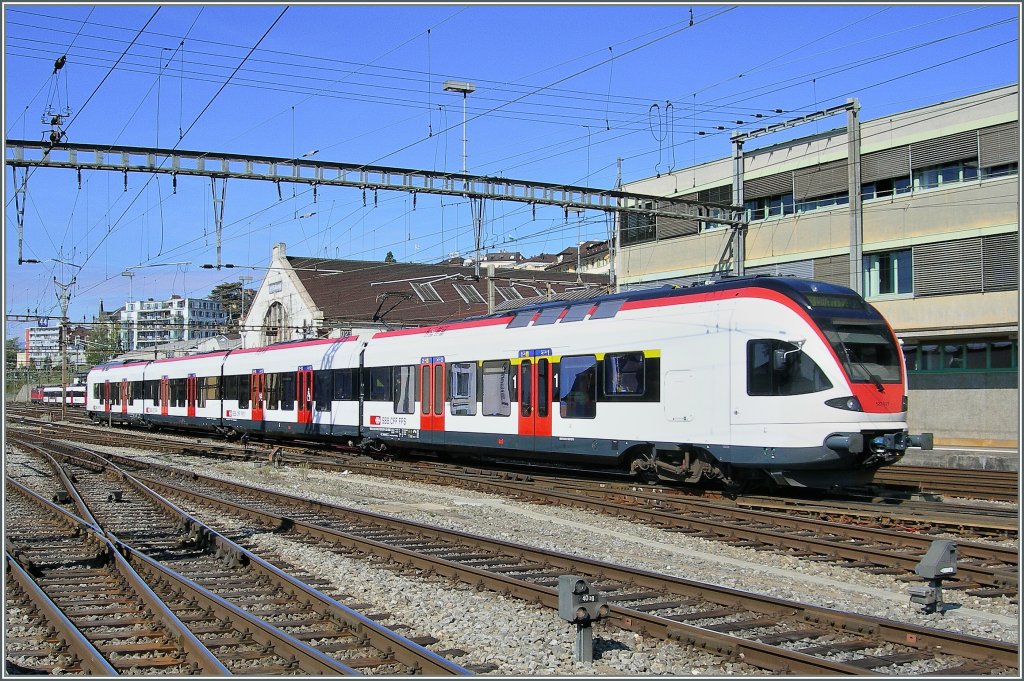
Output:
x=588 y=135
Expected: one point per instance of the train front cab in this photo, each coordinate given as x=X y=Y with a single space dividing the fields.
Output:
x=819 y=390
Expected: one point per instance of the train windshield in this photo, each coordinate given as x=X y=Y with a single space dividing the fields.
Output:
x=867 y=350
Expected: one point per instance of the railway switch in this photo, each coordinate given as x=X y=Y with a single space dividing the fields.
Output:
x=581 y=604
x=938 y=563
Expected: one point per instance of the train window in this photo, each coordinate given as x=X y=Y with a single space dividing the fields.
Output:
x=462 y=384
x=607 y=309
x=779 y=368
x=130 y=392
x=323 y=389
x=380 y=384
x=438 y=389
x=526 y=388
x=405 y=389
x=242 y=390
x=212 y=387
x=287 y=391
x=576 y=313
x=497 y=391
x=272 y=391
x=425 y=389
x=201 y=391
x=543 y=396
x=868 y=352
x=549 y=316
x=177 y=392
x=624 y=373
x=343 y=384
x=577 y=385
x=153 y=392
x=138 y=390
x=96 y=392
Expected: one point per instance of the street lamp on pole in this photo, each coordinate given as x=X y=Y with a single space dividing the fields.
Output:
x=475 y=209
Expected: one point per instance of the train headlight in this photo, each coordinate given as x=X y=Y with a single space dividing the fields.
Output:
x=847 y=403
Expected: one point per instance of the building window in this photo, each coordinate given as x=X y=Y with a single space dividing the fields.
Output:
x=945 y=173
x=1001 y=170
x=759 y=209
x=426 y=292
x=880 y=189
x=508 y=293
x=468 y=293
x=273 y=324
x=827 y=201
x=638 y=227
x=888 y=273
x=960 y=356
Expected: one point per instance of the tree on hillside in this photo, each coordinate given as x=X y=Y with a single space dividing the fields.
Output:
x=390 y=257
x=230 y=295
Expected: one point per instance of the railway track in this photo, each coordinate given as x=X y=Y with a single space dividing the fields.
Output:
x=992 y=485
x=773 y=634
x=253 y=618
x=806 y=530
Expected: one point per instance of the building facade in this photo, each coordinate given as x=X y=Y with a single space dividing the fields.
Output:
x=931 y=238
x=42 y=347
x=303 y=297
x=149 y=323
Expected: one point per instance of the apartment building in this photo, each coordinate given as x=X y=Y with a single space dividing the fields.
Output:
x=148 y=323
x=42 y=347
x=931 y=239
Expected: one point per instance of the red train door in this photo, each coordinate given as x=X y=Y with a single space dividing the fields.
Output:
x=257 y=394
x=165 y=395
x=304 y=394
x=190 y=395
x=534 y=401
x=125 y=392
x=106 y=396
x=432 y=397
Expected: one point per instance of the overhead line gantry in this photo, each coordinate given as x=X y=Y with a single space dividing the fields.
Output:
x=223 y=166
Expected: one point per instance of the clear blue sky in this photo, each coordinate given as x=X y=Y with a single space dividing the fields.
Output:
x=562 y=92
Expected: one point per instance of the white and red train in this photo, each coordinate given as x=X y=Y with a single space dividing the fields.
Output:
x=73 y=395
x=798 y=381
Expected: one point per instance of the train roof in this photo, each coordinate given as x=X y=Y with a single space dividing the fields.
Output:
x=810 y=293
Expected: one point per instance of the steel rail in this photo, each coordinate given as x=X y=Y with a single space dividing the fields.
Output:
x=683 y=517
x=412 y=655
x=893 y=632
x=88 y=657
x=203 y=660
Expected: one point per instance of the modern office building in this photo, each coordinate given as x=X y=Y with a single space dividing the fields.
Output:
x=930 y=238
x=148 y=323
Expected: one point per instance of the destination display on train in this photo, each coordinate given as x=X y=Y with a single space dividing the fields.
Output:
x=843 y=302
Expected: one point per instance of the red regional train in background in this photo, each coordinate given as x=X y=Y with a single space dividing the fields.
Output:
x=794 y=381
